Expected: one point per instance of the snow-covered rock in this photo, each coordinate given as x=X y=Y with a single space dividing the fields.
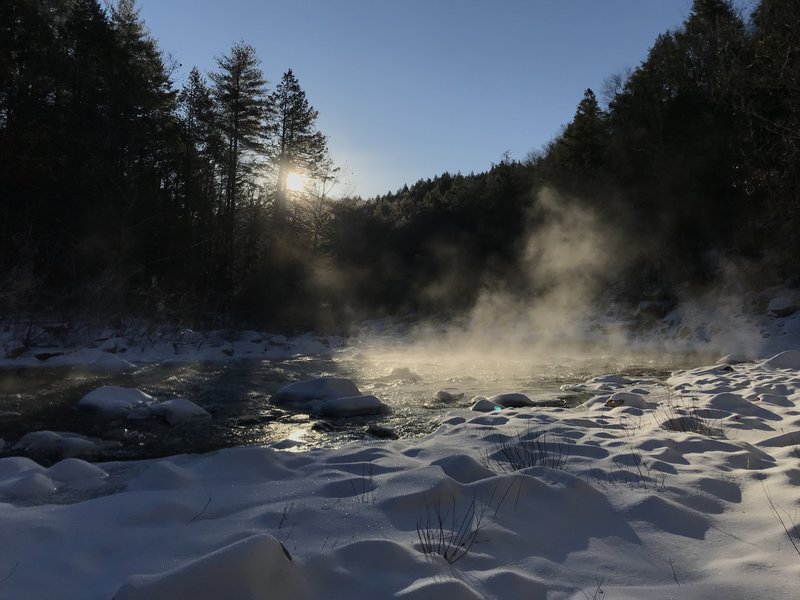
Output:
x=352 y=406
x=75 y=470
x=329 y=396
x=114 y=400
x=784 y=304
x=58 y=443
x=789 y=359
x=447 y=396
x=177 y=411
x=511 y=400
x=303 y=393
x=628 y=399
x=386 y=432
x=33 y=485
x=483 y=405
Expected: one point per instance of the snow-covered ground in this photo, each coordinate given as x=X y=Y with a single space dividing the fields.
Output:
x=684 y=490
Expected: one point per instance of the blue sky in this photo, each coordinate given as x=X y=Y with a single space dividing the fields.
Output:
x=408 y=89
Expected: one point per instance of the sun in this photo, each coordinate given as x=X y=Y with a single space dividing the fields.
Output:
x=295 y=182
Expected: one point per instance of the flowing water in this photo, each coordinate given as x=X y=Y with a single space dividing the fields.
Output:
x=236 y=393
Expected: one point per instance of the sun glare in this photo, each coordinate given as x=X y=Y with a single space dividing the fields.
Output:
x=295 y=182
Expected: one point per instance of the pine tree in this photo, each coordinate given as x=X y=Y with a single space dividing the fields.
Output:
x=772 y=106
x=200 y=154
x=581 y=148
x=296 y=145
x=141 y=105
x=241 y=103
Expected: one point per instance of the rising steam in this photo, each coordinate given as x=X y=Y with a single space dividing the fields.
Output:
x=560 y=306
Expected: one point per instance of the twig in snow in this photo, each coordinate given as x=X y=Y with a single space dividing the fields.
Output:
x=364 y=488
x=598 y=592
x=778 y=516
x=202 y=512
x=674 y=574
x=13 y=569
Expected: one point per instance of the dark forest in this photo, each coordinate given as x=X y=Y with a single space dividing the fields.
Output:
x=122 y=194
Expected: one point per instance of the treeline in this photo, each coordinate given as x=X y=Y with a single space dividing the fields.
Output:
x=692 y=161
x=121 y=193
x=124 y=194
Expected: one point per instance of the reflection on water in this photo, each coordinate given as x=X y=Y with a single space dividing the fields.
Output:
x=237 y=393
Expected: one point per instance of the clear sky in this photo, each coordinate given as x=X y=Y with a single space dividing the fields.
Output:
x=408 y=89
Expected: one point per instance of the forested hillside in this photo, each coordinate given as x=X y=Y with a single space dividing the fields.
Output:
x=124 y=194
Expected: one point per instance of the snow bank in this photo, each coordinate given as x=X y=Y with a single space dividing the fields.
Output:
x=790 y=359
x=252 y=569
x=139 y=343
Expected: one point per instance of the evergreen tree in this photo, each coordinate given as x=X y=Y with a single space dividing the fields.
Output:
x=580 y=150
x=142 y=105
x=295 y=146
x=241 y=103
x=201 y=152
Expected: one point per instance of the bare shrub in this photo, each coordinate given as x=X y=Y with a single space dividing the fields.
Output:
x=681 y=414
x=528 y=449
x=364 y=486
x=447 y=533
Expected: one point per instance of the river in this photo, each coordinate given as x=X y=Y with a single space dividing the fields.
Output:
x=236 y=393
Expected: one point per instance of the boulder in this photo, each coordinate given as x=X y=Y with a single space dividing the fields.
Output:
x=114 y=400
x=512 y=400
x=303 y=393
x=448 y=396
x=484 y=405
x=352 y=406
